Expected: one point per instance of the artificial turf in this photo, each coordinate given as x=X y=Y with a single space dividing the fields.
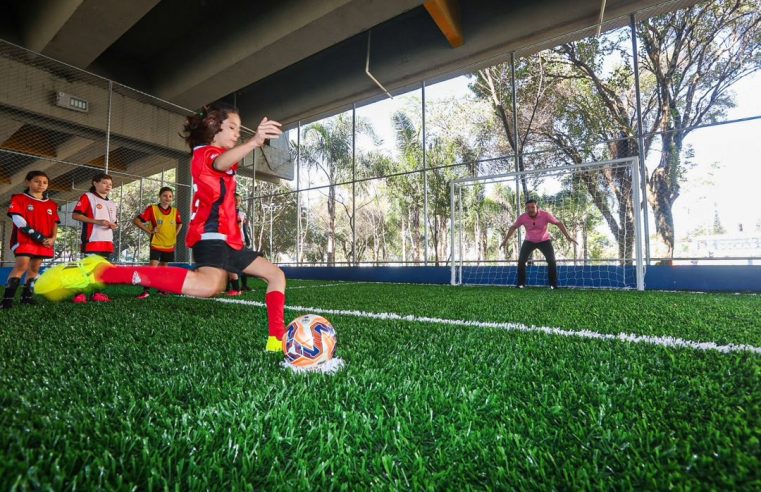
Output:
x=177 y=393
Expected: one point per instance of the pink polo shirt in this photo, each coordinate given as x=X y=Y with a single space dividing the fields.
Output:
x=536 y=227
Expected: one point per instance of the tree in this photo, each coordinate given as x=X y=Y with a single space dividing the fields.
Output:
x=717 y=227
x=694 y=55
x=690 y=59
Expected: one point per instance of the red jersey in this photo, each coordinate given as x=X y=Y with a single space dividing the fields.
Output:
x=213 y=214
x=96 y=238
x=40 y=215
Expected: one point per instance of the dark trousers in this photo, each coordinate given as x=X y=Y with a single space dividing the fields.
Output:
x=549 y=253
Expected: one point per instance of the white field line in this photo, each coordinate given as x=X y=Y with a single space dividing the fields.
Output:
x=623 y=337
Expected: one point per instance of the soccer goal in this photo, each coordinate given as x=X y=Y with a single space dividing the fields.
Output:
x=599 y=203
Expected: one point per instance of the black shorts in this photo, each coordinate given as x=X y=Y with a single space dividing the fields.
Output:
x=218 y=254
x=162 y=256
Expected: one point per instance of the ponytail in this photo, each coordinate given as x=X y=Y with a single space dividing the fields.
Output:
x=201 y=126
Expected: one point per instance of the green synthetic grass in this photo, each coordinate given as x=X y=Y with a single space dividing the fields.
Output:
x=178 y=393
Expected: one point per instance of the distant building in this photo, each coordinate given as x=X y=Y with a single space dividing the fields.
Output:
x=736 y=247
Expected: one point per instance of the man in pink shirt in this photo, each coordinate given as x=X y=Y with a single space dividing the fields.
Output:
x=536 y=221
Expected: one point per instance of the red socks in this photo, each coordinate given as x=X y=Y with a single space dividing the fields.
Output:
x=276 y=313
x=171 y=279
x=168 y=279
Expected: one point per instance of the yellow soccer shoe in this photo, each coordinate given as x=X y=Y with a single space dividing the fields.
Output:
x=274 y=345
x=63 y=281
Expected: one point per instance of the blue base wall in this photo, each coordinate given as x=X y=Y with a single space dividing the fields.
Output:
x=702 y=278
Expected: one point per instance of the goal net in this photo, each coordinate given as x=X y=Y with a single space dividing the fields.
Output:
x=598 y=202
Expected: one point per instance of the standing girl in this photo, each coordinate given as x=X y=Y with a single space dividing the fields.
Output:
x=236 y=281
x=98 y=216
x=35 y=227
x=162 y=222
x=213 y=232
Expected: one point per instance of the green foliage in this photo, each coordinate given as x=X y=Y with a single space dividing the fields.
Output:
x=178 y=393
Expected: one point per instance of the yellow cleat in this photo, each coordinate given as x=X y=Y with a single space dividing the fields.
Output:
x=63 y=281
x=274 y=345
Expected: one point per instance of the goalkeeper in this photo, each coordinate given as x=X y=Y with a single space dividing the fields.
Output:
x=535 y=221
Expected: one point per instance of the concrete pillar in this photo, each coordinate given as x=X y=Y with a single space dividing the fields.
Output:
x=8 y=259
x=183 y=193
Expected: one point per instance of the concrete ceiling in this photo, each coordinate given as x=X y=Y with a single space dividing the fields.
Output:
x=293 y=60
x=290 y=59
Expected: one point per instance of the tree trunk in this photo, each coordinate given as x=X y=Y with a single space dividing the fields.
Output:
x=664 y=188
x=404 y=240
x=415 y=233
x=435 y=240
x=499 y=108
x=331 y=226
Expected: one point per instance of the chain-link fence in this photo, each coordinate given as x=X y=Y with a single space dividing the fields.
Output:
x=71 y=124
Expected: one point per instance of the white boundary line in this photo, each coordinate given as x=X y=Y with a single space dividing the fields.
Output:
x=588 y=334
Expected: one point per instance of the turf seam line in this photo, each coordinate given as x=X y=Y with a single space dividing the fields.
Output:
x=510 y=326
x=324 y=285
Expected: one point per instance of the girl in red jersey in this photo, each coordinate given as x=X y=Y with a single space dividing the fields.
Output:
x=162 y=222
x=213 y=232
x=98 y=216
x=35 y=227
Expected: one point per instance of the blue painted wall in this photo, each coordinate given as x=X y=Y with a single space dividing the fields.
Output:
x=701 y=278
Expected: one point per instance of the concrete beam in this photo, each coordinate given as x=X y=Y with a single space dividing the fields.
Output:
x=292 y=32
x=7 y=128
x=33 y=141
x=132 y=118
x=70 y=184
x=65 y=151
x=41 y=20
x=79 y=152
x=93 y=27
x=446 y=15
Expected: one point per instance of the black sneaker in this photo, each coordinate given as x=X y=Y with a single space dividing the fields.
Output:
x=7 y=304
x=28 y=300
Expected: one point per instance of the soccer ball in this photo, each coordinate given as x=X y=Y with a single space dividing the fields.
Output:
x=309 y=340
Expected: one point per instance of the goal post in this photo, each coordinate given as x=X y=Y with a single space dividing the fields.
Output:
x=599 y=202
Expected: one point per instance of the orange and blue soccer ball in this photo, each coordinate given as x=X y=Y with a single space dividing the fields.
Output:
x=309 y=340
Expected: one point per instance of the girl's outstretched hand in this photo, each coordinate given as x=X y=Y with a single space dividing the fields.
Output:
x=266 y=130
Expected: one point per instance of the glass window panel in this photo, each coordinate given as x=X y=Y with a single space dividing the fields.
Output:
x=382 y=228
x=326 y=152
x=272 y=220
x=439 y=211
x=389 y=136
x=325 y=226
x=457 y=110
